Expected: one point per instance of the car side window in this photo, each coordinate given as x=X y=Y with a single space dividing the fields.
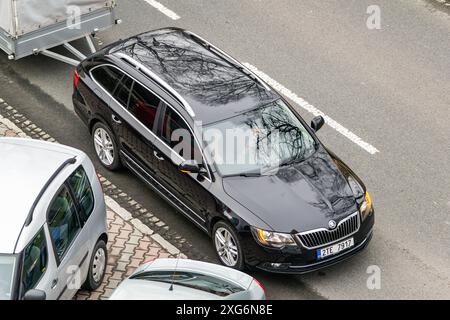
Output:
x=177 y=135
x=82 y=190
x=144 y=105
x=63 y=222
x=123 y=90
x=107 y=77
x=35 y=259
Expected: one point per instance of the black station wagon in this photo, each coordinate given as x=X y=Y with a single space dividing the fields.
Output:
x=287 y=205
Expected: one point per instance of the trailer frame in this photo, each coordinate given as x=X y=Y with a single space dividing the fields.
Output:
x=59 y=34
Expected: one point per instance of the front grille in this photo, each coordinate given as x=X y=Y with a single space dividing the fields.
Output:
x=322 y=237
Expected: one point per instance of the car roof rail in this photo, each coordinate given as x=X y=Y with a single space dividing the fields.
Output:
x=41 y=193
x=225 y=55
x=139 y=66
x=47 y=184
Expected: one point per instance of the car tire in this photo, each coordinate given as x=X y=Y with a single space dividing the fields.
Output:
x=97 y=267
x=223 y=249
x=106 y=147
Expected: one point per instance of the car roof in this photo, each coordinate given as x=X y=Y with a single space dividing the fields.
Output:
x=214 y=86
x=26 y=165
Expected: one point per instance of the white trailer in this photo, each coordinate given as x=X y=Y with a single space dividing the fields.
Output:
x=35 y=26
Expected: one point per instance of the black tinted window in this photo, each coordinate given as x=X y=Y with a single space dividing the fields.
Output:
x=172 y=122
x=177 y=135
x=144 y=105
x=81 y=187
x=122 y=93
x=34 y=261
x=107 y=77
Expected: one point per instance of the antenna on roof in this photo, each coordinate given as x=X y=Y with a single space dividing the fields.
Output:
x=174 y=272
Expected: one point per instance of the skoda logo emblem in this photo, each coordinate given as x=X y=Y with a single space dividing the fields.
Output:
x=332 y=224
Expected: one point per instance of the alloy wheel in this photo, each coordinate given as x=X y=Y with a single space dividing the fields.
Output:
x=104 y=146
x=226 y=247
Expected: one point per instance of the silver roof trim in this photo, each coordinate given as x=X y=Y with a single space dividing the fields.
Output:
x=155 y=77
x=231 y=58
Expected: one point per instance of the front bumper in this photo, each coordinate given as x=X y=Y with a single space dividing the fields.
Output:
x=301 y=260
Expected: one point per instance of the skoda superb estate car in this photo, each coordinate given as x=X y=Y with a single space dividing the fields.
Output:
x=277 y=199
x=53 y=231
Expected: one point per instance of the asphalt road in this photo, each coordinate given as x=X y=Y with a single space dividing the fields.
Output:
x=390 y=87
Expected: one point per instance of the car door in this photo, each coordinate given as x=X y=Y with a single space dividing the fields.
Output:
x=144 y=107
x=175 y=144
x=68 y=244
x=134 y=113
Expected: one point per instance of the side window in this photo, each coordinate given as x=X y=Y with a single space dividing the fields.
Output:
x=63 y=222
x=177 y=135
x=35 y=258
x=108 y=77
x=122 y=93
x=82 y=190
x=143 y=105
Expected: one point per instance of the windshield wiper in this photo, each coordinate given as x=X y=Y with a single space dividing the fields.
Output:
x=250 y=174
x=244 y=174
x=291 y=161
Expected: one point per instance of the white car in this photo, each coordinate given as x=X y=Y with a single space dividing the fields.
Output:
x=183 y=279
x=53 y=230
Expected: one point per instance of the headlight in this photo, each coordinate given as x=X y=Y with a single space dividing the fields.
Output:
x=366 y=206
x=273 y=239
x=356 y=187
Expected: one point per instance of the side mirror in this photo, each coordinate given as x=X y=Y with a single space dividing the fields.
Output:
x=34 y=294
x=317 y=123
x=191 y=166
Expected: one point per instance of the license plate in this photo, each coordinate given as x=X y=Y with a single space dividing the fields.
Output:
x=335 y=249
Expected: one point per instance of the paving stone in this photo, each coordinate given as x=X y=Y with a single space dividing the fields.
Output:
x=121 y=266
x=134 y=240
x=119 y=243
x=112 y=284
x=129 y=248
x=117 y=275
x=125 y=257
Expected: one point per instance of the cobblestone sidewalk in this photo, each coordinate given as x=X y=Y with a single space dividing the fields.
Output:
x=130 y=242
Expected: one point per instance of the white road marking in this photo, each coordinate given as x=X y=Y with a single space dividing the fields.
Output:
x=160 y=7
x=316 y=112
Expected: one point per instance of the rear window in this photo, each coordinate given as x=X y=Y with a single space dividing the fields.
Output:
x=192 y=280
x=7 y=267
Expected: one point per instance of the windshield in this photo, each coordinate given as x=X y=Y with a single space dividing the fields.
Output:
x=257 y=141
x=7 y=267
x=192 y=280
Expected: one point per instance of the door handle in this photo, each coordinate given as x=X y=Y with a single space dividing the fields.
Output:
x=116 y=119
x=54 y=283
x=158 y=156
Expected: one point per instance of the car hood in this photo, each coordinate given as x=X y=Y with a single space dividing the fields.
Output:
x=300 y=197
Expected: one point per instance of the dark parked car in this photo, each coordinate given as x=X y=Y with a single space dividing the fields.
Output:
x=295 y=207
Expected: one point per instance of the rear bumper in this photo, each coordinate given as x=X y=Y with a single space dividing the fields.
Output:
x=301 y=260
